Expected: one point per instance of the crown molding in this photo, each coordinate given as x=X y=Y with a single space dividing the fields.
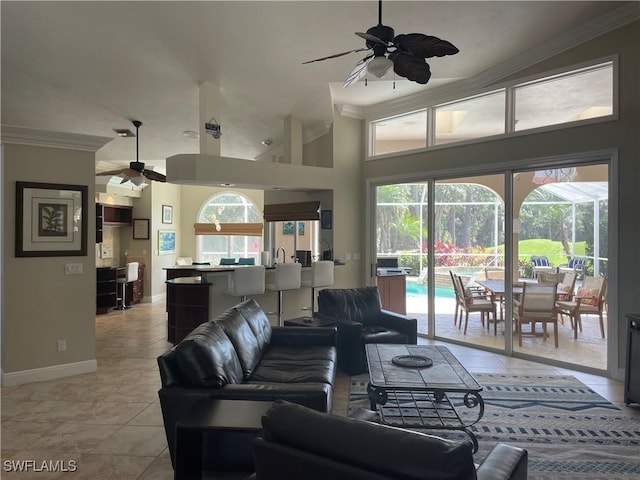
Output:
x=587 y=32
x=45 y=138
x=352 y=111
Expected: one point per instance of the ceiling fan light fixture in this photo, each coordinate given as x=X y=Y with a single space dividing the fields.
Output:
x=137 y=181
x=379 y=66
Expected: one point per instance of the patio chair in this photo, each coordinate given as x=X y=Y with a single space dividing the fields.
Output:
x=540 y=263
x=589 y=299
x=537 y=304
x=575 y=265
x=471 y=301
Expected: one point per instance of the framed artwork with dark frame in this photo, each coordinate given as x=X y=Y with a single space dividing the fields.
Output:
x=141 y=229
x=167 y=214
x=51 y=220
x=326 y=219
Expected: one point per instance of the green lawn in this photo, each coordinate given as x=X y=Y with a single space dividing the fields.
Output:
x=552 y=249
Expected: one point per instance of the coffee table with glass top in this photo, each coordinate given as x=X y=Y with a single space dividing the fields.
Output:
x=433 y=392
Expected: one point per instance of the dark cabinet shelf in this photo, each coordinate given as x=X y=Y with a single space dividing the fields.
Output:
x=187 y=306
x=112 y=215
x=106 y=289
x=632 y=375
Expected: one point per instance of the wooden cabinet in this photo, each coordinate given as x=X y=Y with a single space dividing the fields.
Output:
x=632 y=374
x=187 y=306
x=111 y=215
x=392 y=290
x=106 y=289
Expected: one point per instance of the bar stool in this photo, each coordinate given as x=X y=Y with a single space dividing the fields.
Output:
x=245 y=281
x=287 y=276
x=131 y=275
x=321 y=276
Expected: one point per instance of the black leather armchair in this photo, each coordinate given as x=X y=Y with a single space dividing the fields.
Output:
x=298 y=442
x=360 y=320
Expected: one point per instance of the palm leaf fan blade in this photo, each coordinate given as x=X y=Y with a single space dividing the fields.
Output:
x=424 y=46
x=151 y=175
x=357 y=72
x=411 y=67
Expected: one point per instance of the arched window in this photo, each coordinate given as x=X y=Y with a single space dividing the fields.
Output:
x=228 y=208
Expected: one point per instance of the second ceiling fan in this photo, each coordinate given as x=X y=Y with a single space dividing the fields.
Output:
x=406 y=53
x=136 y=173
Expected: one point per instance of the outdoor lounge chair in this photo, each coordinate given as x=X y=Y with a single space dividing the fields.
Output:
x=540 y=263
x=575 y=265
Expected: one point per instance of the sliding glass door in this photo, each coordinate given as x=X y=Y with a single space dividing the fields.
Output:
x=557 y=213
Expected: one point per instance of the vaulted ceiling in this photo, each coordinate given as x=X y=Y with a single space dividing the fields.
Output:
x=92 y=67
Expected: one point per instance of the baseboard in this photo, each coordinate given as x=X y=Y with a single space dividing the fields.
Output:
x=48 y=373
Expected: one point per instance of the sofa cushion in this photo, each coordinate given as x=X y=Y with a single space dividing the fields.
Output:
x=243 y=339
x=206 y=357
x=360 y=305
x=299 y=371
x=292 y=354
x=258 y=322
x=382 y=449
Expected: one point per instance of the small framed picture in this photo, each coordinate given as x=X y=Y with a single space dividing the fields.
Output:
x=326 y=219
x=141 y=229
x=167 y=214
x=288 y=228
x=166 y=242
x=300 y=228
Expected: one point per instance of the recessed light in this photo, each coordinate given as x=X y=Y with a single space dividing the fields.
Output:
x=124 y=132
x=278 y=188
x=227 y=184
x=190 y=134
x=267 y=142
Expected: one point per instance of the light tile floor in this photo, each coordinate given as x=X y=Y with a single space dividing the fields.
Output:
x=109 y=422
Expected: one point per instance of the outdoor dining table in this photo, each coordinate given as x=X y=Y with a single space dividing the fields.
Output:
x=498 y=288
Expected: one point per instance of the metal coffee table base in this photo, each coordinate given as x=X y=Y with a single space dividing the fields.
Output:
x=427 y=410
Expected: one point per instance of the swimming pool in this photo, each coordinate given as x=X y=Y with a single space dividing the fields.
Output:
x=420 y=290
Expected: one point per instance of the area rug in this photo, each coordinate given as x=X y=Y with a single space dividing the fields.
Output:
x=569 y=430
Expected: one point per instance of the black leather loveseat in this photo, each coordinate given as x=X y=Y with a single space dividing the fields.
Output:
x=360 y=320
x=239 y=356
x=301 y=443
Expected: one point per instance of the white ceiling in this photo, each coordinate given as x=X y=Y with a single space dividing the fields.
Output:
x=91 y=67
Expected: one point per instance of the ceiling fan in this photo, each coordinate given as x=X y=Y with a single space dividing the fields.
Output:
x=405 y=53
x=136 y=173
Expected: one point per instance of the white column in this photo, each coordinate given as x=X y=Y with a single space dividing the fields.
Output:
x=209 y=107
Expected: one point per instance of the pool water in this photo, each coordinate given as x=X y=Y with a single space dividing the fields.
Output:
x=419 y=290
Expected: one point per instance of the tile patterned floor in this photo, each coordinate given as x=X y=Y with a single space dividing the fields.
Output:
x=108 y=423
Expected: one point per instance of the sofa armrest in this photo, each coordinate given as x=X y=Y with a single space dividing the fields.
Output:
x=504 y=462
x=349 y=344
x=304 y=337
x=400 y=323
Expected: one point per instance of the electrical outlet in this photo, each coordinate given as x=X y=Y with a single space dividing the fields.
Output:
x=356 y=256
x=62 y=345
x=348 y=256
x=73 y=269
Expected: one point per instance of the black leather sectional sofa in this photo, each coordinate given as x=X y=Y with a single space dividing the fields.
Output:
x=298 y=443
x=240 y=356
